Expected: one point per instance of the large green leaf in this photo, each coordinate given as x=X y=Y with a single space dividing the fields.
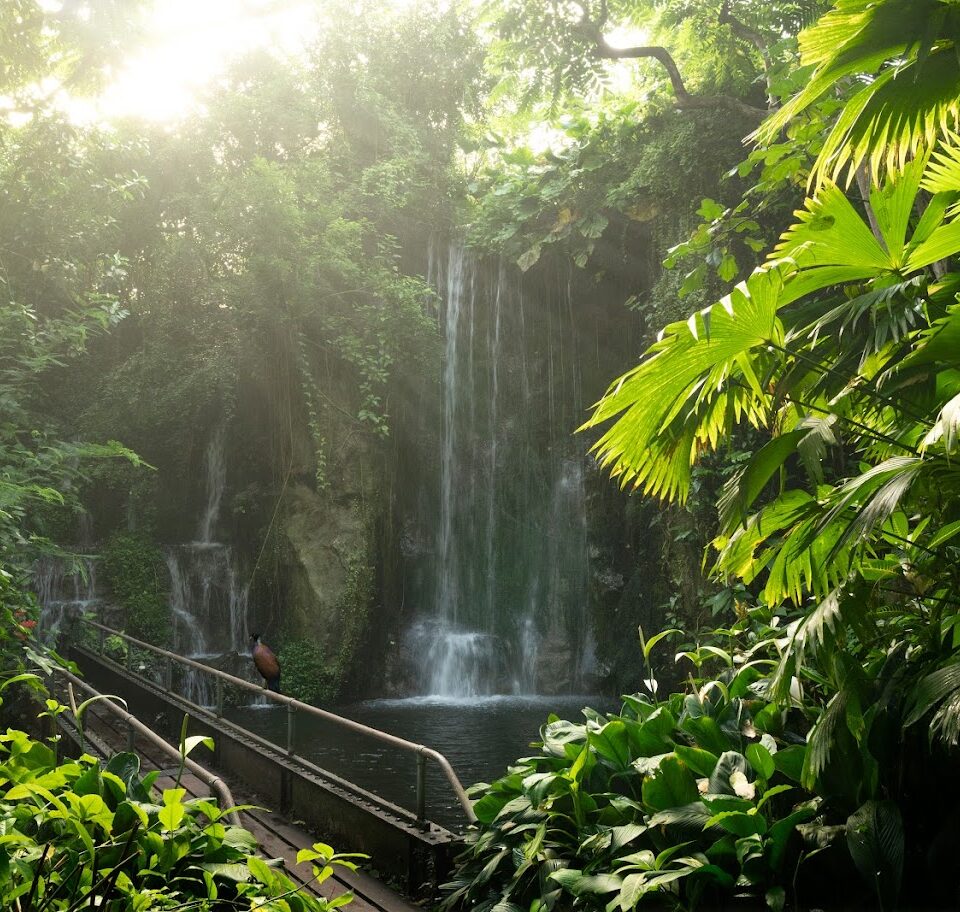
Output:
x=904 y=50
x=931 y=690
x=672 y=785
x=876 y=842
x=830 y=232
x=612 y=743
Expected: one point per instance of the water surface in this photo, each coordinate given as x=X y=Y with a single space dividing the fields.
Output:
x=479 y=736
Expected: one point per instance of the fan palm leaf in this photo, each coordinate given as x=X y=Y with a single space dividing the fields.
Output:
x=705 y=375
x=679 y=398
x=902 y=53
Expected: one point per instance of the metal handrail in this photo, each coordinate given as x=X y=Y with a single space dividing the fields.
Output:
x=215 y=783
x=421 y=751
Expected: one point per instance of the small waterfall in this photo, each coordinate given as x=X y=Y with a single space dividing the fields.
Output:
x=67 y=587
x=215 y=465
x=208 y=604
x=510 y=583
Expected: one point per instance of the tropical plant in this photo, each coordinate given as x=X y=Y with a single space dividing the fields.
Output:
x=841 y=349
x=84 y=834
x=896 y=65
x=684 y=801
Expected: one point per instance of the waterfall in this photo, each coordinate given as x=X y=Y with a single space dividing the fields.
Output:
x=507 y=612
x=215 y=465
x=208 y=604
x=67 y=587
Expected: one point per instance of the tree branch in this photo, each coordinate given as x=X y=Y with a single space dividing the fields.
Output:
x=684 y=98
x=752 y=36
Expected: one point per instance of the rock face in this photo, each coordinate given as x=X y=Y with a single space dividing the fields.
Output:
x=324 y=542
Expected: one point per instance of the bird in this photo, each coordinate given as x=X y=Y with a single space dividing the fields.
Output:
x=266 y=662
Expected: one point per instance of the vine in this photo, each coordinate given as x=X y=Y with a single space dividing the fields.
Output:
x=313 y=414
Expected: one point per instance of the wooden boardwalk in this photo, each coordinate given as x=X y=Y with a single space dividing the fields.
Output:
x=277 y=836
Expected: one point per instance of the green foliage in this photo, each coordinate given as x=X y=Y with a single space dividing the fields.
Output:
x=66 y=43
x=840 y=353
x=606 y=181
x=134 y=569
x=18 y=620
x=307 y=674
x=684 y=801
x=550 y=51
x=904 y=55
x=82 y=833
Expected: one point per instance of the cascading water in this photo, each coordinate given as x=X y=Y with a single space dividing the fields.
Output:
x=207 y=602
x=509 y=600
x=67 y=588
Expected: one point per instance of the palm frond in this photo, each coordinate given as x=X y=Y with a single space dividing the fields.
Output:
x=879 y=316
x=943 y=170
x=829 y=232
x=946 y=427
x=939 y=688
x=904 y=52
x=821 y=738
x=679 y=399
x=873 y=495
x=738 y=557
x=806 y=635
x=893 y=118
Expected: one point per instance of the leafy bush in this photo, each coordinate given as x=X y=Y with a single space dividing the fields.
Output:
x=715 y=792
x=79 y=834
x=728 y=788
x=307 y=675
x=681 y=801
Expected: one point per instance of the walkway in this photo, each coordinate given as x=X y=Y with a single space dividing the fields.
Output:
x=278 y=837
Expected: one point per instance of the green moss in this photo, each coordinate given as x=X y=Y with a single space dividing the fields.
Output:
x=133 y=568
x=307 y=675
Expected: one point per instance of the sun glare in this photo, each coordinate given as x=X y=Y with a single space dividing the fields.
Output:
x=189 y=44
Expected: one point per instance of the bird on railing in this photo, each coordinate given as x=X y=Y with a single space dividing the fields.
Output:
x=266 y=662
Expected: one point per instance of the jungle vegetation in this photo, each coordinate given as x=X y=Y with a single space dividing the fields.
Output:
x=800 y=391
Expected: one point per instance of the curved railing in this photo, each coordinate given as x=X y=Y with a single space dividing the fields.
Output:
x=136 y=727
x=421 y=752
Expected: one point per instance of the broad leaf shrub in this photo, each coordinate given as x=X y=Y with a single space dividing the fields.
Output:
x=81 y=834
x=684 y=801
x=772 y=781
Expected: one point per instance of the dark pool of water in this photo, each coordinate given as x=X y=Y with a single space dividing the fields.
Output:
x=479 y=737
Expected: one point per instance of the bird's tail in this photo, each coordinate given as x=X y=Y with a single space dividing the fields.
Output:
x=274 y=684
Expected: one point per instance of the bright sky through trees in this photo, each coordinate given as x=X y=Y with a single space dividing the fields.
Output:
x=188 y=44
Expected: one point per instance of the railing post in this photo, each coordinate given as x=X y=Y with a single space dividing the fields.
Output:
x=219 y=686
x=131 y=738
x=169 y=675
x=421 y=790
x=129 y=657
x=103 y=637
x=291 y=716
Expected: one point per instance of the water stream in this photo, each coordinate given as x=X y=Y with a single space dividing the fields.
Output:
x=66 y=588
x=508 y=609
x=208 y=604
